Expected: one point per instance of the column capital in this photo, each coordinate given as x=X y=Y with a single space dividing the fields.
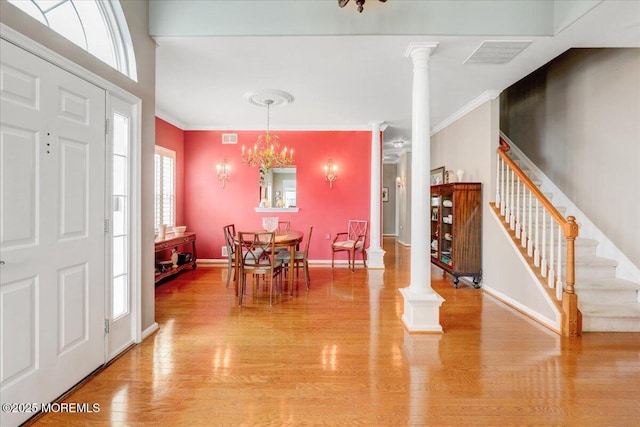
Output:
x=415 y=47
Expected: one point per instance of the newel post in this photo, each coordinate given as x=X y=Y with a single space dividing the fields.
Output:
x=572 y=318
x=571 y=232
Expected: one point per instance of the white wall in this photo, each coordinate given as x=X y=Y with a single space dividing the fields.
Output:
x=578 y=120
x=470 y=144
x=404 y=200
x=389 y=173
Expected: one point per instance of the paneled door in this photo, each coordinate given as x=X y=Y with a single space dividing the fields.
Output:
x=52 y=237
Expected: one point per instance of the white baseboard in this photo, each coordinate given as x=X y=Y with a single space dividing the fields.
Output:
x=545 y=321
x=149 y=331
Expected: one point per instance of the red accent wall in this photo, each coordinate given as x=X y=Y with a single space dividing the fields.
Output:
x=171 y=137
x=207 y=207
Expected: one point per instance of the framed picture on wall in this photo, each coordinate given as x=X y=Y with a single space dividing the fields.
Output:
x=437 y=176
x=385 y=194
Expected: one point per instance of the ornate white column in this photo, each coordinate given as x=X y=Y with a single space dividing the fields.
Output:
x=375 y=253
x=421 y=303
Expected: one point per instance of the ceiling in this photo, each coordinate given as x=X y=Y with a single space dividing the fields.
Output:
x=346 y=69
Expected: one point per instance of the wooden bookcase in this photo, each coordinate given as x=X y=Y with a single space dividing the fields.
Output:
x=456 y=229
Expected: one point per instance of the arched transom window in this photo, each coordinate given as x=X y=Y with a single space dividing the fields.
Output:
x=97 y=26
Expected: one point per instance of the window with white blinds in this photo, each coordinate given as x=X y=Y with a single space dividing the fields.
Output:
x=165 y=187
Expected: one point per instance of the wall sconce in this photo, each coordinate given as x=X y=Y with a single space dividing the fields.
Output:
x=330 y=172
x=400 y=182
x=222 y=170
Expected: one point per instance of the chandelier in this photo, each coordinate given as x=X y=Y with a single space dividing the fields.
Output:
x=359 y=3
x=266 y=153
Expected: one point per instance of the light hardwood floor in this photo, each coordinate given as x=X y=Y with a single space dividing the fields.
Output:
x=339 y=355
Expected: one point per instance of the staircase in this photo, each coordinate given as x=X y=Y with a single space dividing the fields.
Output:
x=606 y=302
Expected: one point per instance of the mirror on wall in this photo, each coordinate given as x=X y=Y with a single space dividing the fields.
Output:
x=278 y=188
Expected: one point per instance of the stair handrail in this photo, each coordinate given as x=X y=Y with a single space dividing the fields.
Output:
x=571 y=324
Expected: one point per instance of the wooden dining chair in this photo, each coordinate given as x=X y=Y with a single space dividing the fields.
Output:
x=258 y=259
x=284 y=226
x=229 y=233
x=299 y=257
x=352 y=241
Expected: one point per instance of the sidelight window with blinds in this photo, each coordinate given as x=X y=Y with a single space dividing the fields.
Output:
x=165 y=187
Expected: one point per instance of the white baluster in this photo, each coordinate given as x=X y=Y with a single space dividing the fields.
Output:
x=543 y=262
x=559 y=284
x=507 y=196
x=552 y=251
x=525 y=232
x=512 y=218
x=503 y=210
x=530 y=242
x=536 y=244
x=518 y=210
x=498 y=183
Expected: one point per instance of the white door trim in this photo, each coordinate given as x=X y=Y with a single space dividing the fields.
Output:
x=12 y=36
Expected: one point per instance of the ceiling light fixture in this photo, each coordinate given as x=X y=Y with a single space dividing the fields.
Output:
x=360 y=3
x=266 y=153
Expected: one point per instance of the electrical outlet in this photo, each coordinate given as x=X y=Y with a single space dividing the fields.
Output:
x=224 y=251
x=328 y=236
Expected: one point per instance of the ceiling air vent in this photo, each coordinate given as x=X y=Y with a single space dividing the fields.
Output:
x=229 y=138
x=497 y=52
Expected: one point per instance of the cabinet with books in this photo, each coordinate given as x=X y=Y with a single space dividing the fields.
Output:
x=456 y=233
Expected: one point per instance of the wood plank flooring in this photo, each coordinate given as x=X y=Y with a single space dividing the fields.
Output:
x=338 y=355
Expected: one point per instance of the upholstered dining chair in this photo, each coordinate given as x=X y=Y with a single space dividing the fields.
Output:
x=258 y=258
x=351 y=241
x=229 y=234
x=299 y=257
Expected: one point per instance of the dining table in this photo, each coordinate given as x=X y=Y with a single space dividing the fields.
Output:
x=290 y=239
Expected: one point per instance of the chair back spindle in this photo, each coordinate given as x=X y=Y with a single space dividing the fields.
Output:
x=229 y=233
x=258 y=258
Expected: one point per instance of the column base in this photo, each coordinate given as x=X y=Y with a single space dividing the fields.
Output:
x=375 y=258
x=421 y=311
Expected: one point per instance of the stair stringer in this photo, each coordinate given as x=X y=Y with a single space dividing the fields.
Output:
x=516 y=288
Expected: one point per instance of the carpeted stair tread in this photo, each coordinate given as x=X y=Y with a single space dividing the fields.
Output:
x=610 y=310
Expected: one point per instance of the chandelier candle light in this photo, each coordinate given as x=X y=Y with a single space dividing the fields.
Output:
x=266 y=153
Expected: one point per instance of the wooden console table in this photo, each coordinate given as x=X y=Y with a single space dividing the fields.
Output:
x=184 y=244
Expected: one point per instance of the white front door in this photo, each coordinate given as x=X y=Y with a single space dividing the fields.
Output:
x=52 y=240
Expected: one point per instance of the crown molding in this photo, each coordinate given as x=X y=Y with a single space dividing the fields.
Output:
x=240 y=127
x=171 y=119
x=486 y=96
